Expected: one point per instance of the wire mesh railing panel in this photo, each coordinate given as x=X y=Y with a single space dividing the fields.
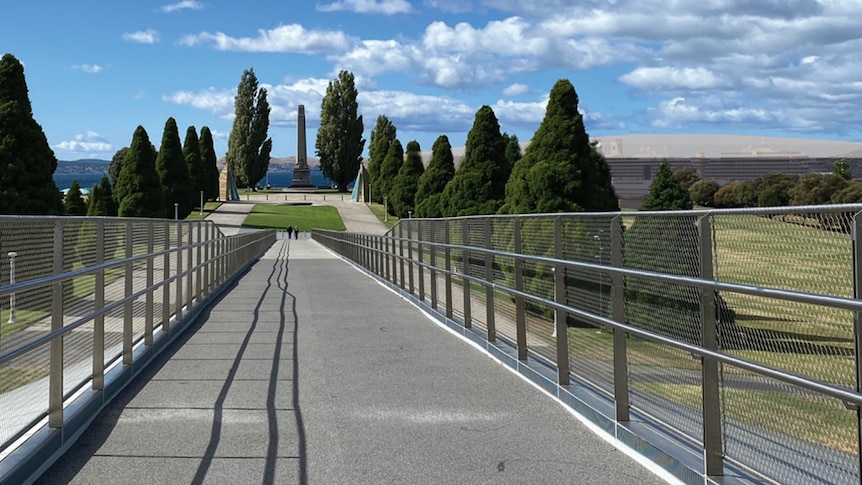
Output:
x=665 y=383
x=587 y=240
x=23 y=393
x=769 y=425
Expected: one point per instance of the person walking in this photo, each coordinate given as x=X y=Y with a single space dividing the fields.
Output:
x=289 y=231
x=296 y=232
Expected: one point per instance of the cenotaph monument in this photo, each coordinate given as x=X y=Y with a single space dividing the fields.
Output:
x=301 y=174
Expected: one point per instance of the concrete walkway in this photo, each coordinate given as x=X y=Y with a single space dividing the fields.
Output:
x=357 y=216
x=308 y=371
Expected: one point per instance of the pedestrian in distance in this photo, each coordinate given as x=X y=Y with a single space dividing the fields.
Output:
x=296 y=232
x=289 y=231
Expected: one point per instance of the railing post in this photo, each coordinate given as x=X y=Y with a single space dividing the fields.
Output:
x=618 y=296
x=420 y=258
x=55 y=379
x=386 y=259
x=189 y=274
x=560 y=325
x=148 y=317
x=447 y=252
x=433 y=258
x=179 y=272
x=410 y=256
x=468 y=307
x=98 y=304
x=166 y=288
x=401 y=254
x=128 y=305
x=713 y=448
x=857 y=326
x=490 y=313
x=199 y=260
x=520 y=308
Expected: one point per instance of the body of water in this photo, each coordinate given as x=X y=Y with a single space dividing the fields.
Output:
x=274 y=179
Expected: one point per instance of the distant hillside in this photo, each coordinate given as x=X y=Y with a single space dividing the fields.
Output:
x=86 y=165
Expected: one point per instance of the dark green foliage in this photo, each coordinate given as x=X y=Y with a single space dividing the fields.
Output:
x=478 y=186
x=440 y=171
x=27 y=163
x=852 y=194
x=686 y=176
x=561 y=170
x=173 y=173
x=209 y=160
x=102 y=201
x=74 y=203
x=841 y=168
x=139 y=191
x=775 y=189
x=383 y=134
x=389 y=169
x=339 y=139
x=402 y=200
x=115 y=166
x=513 y=150
x=814 y=189
x=666 y=193
x=702 y=192
x=194 y=165
x=248 y=146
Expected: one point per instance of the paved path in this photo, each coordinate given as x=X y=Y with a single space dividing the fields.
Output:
x=357 y=216
x=309 y=372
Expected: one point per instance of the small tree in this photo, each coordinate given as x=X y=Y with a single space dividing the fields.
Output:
x=666 y=193
x=249 y=146
x=702 y=192
x=382 y=136
x=339 y=138
x=73 y=202
x=102 y=201
x=194 y=163
x=210 y=161
x=174 y=174
x=815 y=189
x=389 y=171
x=407 y=181
x=841 y=168
x=686 y=176
x=139 y=191
x=431 y=183
x=115 y=166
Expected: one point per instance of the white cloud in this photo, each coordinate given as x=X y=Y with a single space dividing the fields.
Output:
x=285 y=38
x=673 y=77
x=373 y=57
x=183 y=5
x=451 y=6
x=148 y=36
x=88 y=68
x=217 y=102
x=516 y=89
x=386 y=7
x=85 y=143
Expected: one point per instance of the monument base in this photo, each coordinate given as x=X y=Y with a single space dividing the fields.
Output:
x=301 y=178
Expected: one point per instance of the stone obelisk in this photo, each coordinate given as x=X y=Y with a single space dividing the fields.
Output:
x=301 y=174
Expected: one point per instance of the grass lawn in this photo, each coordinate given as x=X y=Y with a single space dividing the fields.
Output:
x=268 y=216
x=208 y=208
x=378 y=211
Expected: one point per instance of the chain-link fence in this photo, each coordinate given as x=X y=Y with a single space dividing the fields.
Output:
x=739 y=324
x=79 y=295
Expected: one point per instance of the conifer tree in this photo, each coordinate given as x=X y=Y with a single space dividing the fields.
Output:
x=210 y=161
x=116 y=165
x=383 y=134
x=73 y=202
x=102 y=201
x=173 y=173
x=404 y=189
x=248 y=146
x=389 y=170
x=139 y=190
x=561 y=171
x=339 y=139
x=194 y=164
x=27 y=163
x=478 y=186
x=666 y=193
x=431 y=183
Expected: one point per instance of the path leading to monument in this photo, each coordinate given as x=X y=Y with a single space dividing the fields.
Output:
x=357 y=216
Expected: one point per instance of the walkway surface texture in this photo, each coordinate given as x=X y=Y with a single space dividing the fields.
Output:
x=308 y=371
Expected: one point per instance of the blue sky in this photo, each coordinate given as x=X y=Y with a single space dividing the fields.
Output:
x=98 y=69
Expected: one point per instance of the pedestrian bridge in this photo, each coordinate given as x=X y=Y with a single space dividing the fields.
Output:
x=447 y=351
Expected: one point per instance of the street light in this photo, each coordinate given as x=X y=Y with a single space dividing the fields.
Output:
x=410 y=214
x=202 y=202
x=176 y=211
x=12 y=317
x=385 y=209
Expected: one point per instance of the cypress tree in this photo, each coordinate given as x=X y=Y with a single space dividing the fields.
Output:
x=171 y=167
x=561 y=170
x=73 y=202
x=339 y=139
x=404 y=190
x=102 y=201
x=666 y=193
x=210 y=161
x=248 y=146
x=194 y=164
x=389 y=170
x=139 y=191
x=478 y=186
x=431 y=183
x=383 y=134
x=27 y=163
x=116 y=165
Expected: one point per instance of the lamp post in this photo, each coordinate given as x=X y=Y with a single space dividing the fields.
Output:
x=410 y=214
x=176 y=211
x=385 y=209
x=202 y=202
x=12 y=317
